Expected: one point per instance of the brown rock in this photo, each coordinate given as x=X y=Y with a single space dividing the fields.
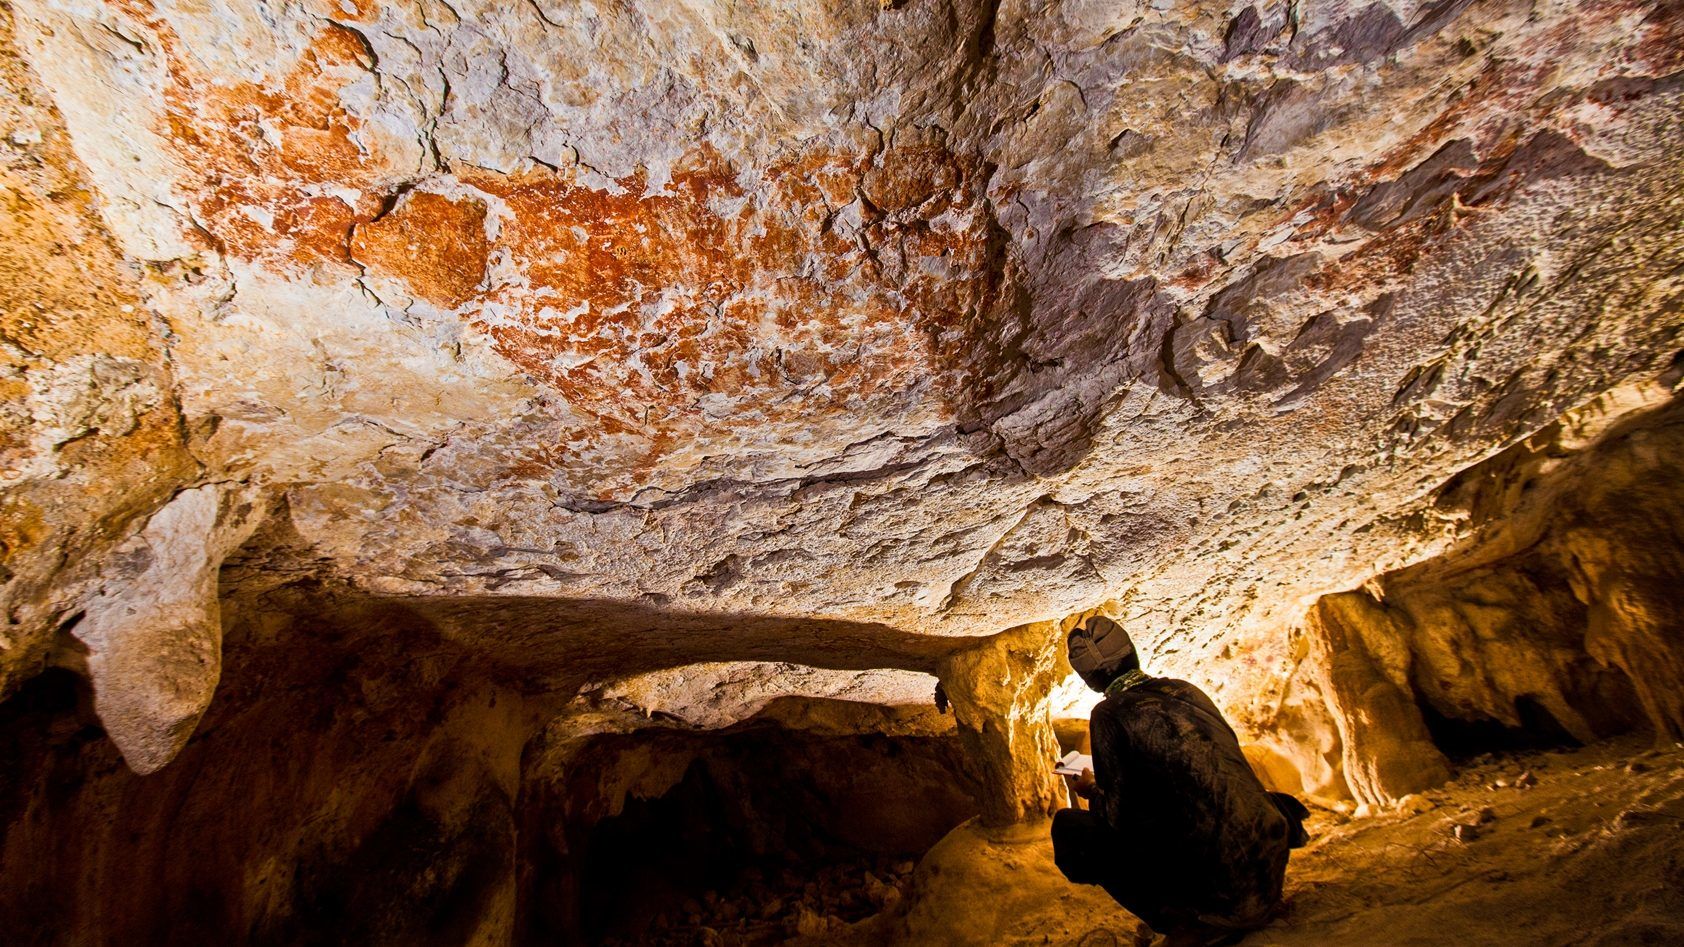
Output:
x=398 y=404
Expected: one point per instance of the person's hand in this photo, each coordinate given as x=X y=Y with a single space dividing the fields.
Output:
x=1085 y=785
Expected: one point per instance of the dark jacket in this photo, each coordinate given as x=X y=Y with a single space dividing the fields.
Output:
x=1186 y=805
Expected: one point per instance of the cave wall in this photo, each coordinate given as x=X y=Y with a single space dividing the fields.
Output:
x=354 y=781
x=700 y=809
x=1324 y=344
x=1550 y=613
x=1583 y=617
x=960 y=315
x=361 y=777
x=91 y=432
x=446 y=785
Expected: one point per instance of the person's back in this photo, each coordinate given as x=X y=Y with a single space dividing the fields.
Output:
x=1171 y=778
x=1181 y=831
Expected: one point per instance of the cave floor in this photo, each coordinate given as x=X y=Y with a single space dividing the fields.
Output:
x=1580 y=846
x=1593 y=853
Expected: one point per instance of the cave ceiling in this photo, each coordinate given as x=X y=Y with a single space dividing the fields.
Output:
x=927 y=315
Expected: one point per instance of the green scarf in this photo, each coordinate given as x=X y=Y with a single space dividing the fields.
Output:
x=1127 y=680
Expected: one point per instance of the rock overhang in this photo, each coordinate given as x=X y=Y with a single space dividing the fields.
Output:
x=939 y=317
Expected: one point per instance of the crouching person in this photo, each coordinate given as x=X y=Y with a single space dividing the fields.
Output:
x=1179 y=830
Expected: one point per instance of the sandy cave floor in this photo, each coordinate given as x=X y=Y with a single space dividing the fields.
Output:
x=1586 y=849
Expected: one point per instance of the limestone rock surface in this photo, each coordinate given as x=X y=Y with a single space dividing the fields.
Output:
x=926 y=319
x=152 y=627
x=442 y=440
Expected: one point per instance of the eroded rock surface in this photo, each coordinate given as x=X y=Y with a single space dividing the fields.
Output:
x=946 y=315
x=153 y=626
x=1545 y=615
x=501 y=381
x=91 y=436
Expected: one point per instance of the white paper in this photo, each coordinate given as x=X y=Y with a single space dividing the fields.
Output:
x=1073 y=763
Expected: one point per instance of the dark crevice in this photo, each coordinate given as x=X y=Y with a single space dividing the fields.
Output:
x=1462 y=739
x=764 y=826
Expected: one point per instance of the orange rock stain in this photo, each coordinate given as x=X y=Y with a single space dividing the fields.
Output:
x=728 y=297
x=636 y=306
x=256 y=154
x=435 y=243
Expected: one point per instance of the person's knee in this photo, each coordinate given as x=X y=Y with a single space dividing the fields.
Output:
x=1067 y=822
x=1078 y=846
x=1083 y=821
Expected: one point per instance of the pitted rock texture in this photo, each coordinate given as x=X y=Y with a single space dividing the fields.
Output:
x=931 y=318
x=1548 y=615
x=91 y=435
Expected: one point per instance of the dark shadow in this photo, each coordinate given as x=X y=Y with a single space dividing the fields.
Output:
x=352 y=780
x=1462 y=739
x=762 y=817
